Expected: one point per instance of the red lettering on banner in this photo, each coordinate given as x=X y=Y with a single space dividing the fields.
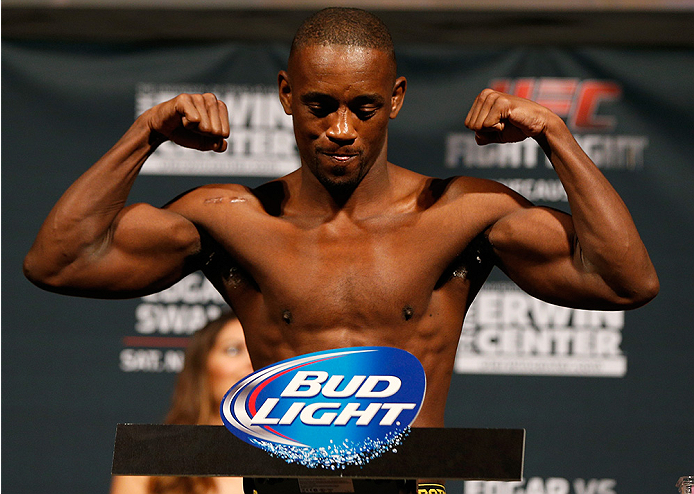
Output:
x=557 y=95
x=591 y=94
x=525 y=88
x=501 y=85
x=521 y=87
x=574 y=100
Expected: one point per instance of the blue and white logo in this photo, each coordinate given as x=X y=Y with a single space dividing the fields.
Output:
x=333 y=408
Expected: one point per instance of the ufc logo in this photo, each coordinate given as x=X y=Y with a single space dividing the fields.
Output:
x=575 y=100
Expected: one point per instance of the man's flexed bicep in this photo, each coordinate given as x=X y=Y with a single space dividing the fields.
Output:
x=539 y=250
x=145 y=250
x=592 y=259
x=92 y=245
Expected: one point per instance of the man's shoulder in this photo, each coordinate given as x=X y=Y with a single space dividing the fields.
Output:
x=435 y=190
x=457 y=183
x=466 y=187
x=211 y=194
x=219 y=188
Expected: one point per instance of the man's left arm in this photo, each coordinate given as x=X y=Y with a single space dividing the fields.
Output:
x=593 y=258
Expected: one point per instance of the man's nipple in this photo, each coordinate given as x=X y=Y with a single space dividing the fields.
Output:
x=287 y=316
x=407 y=312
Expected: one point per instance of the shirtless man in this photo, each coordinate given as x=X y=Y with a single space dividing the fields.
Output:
x=349 y=250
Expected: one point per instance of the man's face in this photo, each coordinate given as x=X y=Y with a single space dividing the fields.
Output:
x=340 y=98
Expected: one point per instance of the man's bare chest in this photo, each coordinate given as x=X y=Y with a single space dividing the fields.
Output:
x=369 y=272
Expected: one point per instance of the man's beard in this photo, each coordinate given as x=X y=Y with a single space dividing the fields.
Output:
x=337 y=182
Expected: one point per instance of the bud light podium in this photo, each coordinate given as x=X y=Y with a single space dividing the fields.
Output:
x=212 y=451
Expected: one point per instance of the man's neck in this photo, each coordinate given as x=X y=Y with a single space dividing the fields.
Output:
x=372 y=193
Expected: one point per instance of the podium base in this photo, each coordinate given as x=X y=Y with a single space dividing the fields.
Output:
x=332 y=485
x=213 y=451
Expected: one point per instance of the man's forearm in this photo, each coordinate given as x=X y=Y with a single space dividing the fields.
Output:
x=608 y=241
x=80 y=222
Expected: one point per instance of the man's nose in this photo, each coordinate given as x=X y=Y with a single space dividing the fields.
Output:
x=342 y=126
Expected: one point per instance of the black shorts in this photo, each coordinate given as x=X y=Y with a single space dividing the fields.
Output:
x=356 y=486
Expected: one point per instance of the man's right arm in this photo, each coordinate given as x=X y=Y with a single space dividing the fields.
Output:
x=91 y=244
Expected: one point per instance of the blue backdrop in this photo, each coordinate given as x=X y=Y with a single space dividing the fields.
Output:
x=605 y=397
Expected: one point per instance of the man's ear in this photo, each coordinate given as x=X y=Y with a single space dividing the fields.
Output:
x=285 y=90
x=398 y=97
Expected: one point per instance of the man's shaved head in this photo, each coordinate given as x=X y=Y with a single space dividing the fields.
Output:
x=344 y=26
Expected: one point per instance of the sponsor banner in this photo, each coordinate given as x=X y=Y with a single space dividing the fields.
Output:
x=261 y=143
x=507 y=331
x=330 y=409
x=539 y=485
x=165 y=320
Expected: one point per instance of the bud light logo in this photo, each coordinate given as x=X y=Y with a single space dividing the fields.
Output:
x=330 y=409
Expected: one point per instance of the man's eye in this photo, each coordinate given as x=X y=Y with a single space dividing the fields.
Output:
x=321 y=107
x=232 y=351
x=319 y=110
x=366 y=112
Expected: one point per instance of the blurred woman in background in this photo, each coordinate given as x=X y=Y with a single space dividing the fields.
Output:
x=215 y=359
